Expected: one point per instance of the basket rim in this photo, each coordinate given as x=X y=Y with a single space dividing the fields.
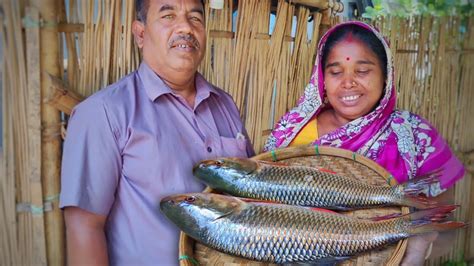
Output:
x=302 y=151
x=186 y=243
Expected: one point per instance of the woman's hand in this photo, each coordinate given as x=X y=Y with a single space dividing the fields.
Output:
x=417 y=248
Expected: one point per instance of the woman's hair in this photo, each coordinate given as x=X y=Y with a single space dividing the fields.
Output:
x=364 y=35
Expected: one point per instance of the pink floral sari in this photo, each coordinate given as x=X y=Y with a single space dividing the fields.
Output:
x=403 y=143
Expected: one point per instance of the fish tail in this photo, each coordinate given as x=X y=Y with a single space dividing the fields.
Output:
x=418 y=185
x=437 y=227
x=419 y=202
x=434 y=219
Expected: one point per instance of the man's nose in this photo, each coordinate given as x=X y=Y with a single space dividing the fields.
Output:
x=184 y=25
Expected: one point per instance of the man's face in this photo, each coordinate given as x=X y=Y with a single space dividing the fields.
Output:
x=173 y=38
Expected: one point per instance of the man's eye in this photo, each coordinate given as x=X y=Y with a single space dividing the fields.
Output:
x=195 y=19
x=167 y=16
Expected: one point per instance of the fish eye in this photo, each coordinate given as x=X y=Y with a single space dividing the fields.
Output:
x=190 y=199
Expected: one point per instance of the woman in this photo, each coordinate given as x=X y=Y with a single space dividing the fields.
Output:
x=350 y=103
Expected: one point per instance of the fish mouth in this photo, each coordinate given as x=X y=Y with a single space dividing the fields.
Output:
x=172 y=200
x=167 y=202
x=198 y=166
x=206 y=164
x=169 y=199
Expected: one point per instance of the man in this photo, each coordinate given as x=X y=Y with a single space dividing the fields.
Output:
x=136 y=141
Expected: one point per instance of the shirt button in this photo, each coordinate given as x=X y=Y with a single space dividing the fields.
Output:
x=209 y=149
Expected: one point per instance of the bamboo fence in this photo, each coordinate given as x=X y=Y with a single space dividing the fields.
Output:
x=264 y=71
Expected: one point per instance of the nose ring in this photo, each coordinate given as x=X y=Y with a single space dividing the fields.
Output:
x=354 y=83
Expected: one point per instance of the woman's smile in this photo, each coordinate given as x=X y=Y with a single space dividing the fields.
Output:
x=351 y=99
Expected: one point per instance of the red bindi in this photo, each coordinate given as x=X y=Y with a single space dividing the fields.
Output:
x=348 y=58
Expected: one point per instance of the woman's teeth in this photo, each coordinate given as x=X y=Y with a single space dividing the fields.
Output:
x=350 y=98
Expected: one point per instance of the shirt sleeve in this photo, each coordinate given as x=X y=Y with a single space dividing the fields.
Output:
x=91 y=164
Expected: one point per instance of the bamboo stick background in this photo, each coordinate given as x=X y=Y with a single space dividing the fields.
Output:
x=9 y=224
x=34 y=134
x=265 y=72
x=50 y=63
x=19 y=186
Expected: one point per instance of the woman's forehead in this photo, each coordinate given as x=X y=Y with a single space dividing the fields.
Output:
x=350 y=49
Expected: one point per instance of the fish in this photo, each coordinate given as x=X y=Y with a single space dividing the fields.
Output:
x=308 y=186
x=280 y=233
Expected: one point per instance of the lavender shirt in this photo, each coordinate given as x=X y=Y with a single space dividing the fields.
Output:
x=135 y=142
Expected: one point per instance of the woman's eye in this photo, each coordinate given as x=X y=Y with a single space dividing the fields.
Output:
x=334 y=73
x=363 y=72
x=167 y=16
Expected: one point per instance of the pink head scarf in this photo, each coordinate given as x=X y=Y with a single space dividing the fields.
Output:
x=402 y=142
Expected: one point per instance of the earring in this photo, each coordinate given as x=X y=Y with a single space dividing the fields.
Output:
x=326 y=100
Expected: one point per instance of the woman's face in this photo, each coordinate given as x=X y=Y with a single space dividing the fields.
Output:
x=353 y=79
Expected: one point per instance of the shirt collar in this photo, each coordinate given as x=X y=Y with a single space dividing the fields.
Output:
x=156 y=87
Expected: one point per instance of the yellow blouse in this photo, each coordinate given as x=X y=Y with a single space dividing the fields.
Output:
x=307 y=135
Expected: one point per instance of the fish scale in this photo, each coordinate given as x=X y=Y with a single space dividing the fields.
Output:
x=342 y=191
x=329 y=233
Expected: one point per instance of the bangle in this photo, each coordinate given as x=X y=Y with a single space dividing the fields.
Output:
x=428 y=251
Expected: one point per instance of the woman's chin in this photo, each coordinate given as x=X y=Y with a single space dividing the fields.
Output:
x=350 y=114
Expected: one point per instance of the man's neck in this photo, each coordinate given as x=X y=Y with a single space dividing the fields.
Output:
x=186 y=89
x=182 y=83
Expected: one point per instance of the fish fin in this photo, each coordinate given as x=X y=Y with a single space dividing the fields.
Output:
x=417 y=185
x=386 y=217
x=419 y=202
x=321 y=210
x=430 y=215
x=340 y=208
x=438 y=227
x=237 y=208
x=433 y=219
x=434 y=214
x=326 y=170
x=224 y=215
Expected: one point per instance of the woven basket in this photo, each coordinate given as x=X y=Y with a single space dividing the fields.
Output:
x=340 y=161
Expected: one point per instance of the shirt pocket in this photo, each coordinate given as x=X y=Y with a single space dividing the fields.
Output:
x=232 y=147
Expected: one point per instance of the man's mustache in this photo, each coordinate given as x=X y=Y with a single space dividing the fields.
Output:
x=189 y=38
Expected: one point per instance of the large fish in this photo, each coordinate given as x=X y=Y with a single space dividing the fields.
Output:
x=307 y=186
x=280 y=233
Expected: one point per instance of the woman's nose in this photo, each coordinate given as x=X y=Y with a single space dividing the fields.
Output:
x=349 y=82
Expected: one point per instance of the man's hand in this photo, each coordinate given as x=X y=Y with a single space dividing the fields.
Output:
x=86 y=242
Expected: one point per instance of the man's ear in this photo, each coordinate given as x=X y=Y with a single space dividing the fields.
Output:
x=138 y=30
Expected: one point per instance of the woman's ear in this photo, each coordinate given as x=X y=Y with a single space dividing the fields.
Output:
x=138 y=30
